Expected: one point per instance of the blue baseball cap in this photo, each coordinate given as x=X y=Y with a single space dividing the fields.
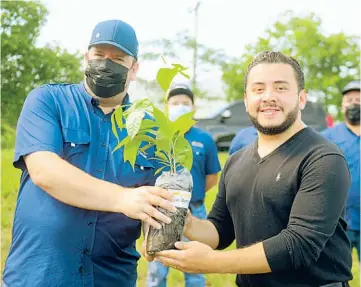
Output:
x=116 y=33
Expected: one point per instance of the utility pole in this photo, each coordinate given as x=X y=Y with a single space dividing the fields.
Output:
x=194 y=80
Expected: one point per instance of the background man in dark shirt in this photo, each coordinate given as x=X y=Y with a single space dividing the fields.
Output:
x=347 y=136
x=281 y=198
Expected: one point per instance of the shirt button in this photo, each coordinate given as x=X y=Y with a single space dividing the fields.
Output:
x=103 y=144
x=100 y=170
x=81 y=269
x=105 y=120
x=90 y=223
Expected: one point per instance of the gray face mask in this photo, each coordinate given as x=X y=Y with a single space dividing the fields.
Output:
x=352 y=114
x=106 y=78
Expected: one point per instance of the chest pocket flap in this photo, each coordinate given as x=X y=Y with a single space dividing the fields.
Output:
x=75 y=141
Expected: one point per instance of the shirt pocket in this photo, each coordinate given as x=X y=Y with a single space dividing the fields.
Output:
x=76 y=146
x=143 y=173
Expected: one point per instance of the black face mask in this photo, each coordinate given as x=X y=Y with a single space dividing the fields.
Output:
x=106 y=78
x=352 y=114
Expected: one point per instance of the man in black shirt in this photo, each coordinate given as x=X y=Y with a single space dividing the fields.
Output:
x=282 y=198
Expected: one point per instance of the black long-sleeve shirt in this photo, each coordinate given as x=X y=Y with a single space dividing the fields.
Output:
x=293 y=200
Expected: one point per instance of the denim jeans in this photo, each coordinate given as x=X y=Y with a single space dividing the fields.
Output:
x=354 y=237
x=157 y=272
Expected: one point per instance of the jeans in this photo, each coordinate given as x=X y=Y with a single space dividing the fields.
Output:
x=354 y=237
x=157 y=272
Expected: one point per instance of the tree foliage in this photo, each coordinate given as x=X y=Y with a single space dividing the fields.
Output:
x=328 y=61
x=25 y=66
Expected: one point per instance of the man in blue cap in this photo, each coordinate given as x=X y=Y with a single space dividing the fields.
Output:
x=204 y=172
x=347 y=136
x=80 y=207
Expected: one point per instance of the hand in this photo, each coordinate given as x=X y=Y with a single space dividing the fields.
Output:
x=139 y=203
x=192 y=257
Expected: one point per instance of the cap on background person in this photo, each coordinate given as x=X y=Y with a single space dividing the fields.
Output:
x=351 y=86
x=116 y=33
x=180 y=89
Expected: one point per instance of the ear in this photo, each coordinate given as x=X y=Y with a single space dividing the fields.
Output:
x=302 y=96
x=245 y=101
x=134 y=70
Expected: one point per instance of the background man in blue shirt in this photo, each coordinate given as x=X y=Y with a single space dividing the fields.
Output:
x=204 y=172
x=243 y=138
x=347 y=136
x=80 y=207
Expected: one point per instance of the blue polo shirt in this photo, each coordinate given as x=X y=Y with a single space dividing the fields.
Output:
x=205 y=160
x=55 y=244
x=349 y=143
x=243 y=138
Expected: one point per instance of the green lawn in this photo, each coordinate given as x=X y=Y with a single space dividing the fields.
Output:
x=9 y=188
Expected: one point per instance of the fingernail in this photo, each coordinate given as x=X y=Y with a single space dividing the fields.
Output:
x=169 y=220
x=159 y=226
x=174 y=209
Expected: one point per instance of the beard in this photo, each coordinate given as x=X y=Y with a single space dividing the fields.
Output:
x=275 y=130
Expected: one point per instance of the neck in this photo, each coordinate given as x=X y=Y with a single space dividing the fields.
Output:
x=268 y=143
x=354 y=128
x=107 y=105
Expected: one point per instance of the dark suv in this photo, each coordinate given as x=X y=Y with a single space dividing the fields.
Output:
x=224 y=125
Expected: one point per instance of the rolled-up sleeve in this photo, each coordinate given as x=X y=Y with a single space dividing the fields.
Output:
x=315 y=213
x=38 y=127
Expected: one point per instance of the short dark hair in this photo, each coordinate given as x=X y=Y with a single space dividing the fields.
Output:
x=272 y=57
x=181 y=89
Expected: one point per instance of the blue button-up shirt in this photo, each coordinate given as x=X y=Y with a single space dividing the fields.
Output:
x=55 y=244
x=243 y=138
x=205 y=160
x=349 y=143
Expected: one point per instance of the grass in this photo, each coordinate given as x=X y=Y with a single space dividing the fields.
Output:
x=9 y=187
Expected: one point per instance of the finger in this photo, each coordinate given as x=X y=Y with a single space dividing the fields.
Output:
x=167 y=261
x=158 y=201
x=173 y=254
x=182 y=245
x=161 y=192
x=156 y=214
x=148 y=219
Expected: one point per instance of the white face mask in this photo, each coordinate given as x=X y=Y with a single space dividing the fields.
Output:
x=176 y=111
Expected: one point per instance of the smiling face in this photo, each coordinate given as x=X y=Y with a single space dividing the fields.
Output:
x=272 y=97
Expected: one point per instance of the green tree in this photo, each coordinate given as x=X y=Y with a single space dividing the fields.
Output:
x=25 y=66
x=329 y=61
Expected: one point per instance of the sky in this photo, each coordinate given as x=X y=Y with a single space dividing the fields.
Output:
x=222 y=24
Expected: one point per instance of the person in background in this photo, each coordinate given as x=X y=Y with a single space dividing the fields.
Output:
x=347 y=136
x=204 y=173
x=243 y=138
x=282 y=198
x=79 y=210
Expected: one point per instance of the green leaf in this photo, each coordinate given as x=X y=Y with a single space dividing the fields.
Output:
x=183 y=153
x=164 y=124
x=123 y=142
x=159 y=170
x=145 y=138
x=147 y=124
x=130 y=151
x=144 y=148
x=118 y=113
x=184 y=122
x=133 y=123
x=161 y=155
x=114 y=126
x=142 y=105
x=165 y=77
